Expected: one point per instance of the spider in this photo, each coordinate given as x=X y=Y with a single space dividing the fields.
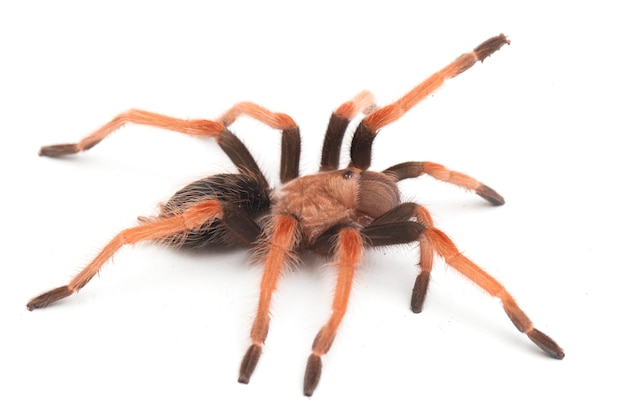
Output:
x=337 y=213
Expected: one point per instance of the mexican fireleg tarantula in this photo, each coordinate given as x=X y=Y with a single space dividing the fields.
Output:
x=336 y=212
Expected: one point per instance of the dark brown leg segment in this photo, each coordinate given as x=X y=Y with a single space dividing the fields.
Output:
x=395 y=227
x=332 y=142
x=290 y=154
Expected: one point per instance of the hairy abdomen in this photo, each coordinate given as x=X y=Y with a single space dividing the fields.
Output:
x=238 y=191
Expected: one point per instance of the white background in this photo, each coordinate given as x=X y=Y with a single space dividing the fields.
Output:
x=160 y=331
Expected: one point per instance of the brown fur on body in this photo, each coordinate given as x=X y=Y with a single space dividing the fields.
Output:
x=348 y=196
x=235 y=191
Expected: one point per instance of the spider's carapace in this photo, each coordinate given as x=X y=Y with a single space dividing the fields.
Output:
x=335 y=212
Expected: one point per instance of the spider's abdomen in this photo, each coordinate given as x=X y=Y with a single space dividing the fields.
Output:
x=237 y=191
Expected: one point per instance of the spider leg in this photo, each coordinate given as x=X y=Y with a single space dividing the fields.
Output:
x=444 y=246
x=361 y=148
x=348 y=254
x=198 y=127
x=415 y=169
x=394 y=228
x=159 y=228
x=339 y=120
x=233 y=147
x=281 y=244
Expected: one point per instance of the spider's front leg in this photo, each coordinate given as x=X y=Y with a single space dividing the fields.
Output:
x=408 y=170
x=361 y=148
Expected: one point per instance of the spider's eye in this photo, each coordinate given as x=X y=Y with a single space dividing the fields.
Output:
x=347 y=175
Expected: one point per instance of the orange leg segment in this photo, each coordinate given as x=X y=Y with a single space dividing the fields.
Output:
x=158 y=228
x=447 y=250
x=283 y=241
x=198 y=127
x=361 y=103
x=272 y=119
x=349 y=251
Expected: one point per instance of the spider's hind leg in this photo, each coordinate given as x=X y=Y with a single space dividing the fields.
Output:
x=243 y=199
x=156 y=229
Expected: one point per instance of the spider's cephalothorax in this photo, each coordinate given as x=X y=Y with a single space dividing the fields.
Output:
x=345 y=197
x=335 y=212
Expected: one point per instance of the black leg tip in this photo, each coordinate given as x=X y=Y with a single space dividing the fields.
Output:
x=59 y=150
x=248 y=363
x=490 y=195
x=546 y=343
x=490 y=46
x=419 y=292
x=312 y=374
x=49 y=297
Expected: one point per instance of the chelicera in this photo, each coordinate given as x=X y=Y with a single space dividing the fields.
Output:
x=335 y=212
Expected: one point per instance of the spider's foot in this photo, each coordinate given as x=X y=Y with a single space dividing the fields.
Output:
x=546 y=343
x=490 y=195
x=49 y=297
x=59 y=150
x=490 y=46
x=248 y=363
x=312 y=374
x=419 y=292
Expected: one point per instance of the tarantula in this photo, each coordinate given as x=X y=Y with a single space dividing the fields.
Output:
x=335 y=212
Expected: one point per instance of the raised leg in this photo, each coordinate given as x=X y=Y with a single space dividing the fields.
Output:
x=282 y=242
x=415 y=169
x=159 y=228
x=339 y=120
x=361 y=149
x=348 y=255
